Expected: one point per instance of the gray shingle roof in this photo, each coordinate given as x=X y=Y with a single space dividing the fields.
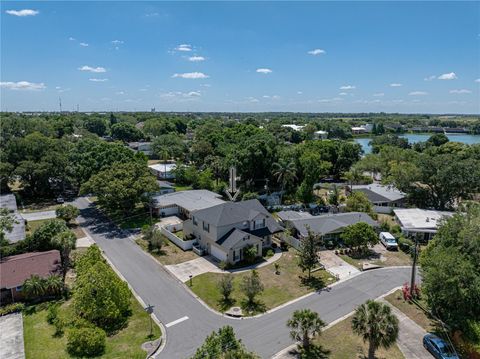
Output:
x=330 y=223
x=8 y=201
x=189 y=200
x=289 y=215
x=18 y=230
x=234 y=236
x=380 y=193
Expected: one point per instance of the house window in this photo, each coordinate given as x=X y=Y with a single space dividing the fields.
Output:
x=259 y=224
x=194 y=221
x=19 y=288
x=206 y=227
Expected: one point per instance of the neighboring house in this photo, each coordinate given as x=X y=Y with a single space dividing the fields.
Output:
x=294 y=127
x=9 y=202
x=285 y=216
x=226 y=230
x=420 y=223
x=383 y=198
x=163 y=170
x=14 y=270
x=358 y=130
x=368 y=127
x=184 y=202
x=144 y=147
x=328 y=226
x=165 y=187
x=320 y=135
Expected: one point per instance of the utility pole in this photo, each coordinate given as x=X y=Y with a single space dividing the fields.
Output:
x=415 y=255
x=60 y=104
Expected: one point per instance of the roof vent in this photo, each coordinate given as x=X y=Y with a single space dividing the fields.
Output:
x=428 y=219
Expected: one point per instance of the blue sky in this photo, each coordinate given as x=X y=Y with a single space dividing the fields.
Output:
x=405 y=57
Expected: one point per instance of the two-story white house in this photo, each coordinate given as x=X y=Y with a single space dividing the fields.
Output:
x=225 y=230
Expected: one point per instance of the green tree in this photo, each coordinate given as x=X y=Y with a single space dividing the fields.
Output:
x=225 y=285
x=450 y=275
x=285 y=173
x=205 y=179
x=305 y=192
x=359 y=235
x=223 y=345
x=121 y=186
x=126 y=132
x=86 y=342
x=65 y=242
x=251 y=286
x=42 y=238
x=305 y=326
x=437 y=139
x=171 y=144
x=307 y=256
x=358 y=202
x=7 y=220
x=376 y=324
x=67 y=212
x=334 y=197
x=96 y=125
x=154 y=238
x=34 y=287
x=53 y=285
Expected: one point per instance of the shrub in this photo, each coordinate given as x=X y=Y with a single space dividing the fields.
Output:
x=405 y=244
x=52 y=313
x=86 y=342
x=12 y=308
x=223 y=265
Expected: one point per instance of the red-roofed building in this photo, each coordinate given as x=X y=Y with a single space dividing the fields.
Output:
x=14 y=270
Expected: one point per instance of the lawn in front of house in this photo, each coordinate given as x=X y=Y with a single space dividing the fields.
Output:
x=179 y=188
x=411 y=310
x=279 y=289
x=378 y=256
x=343 y=343
x=33 y=225
x=40 y=342
x=169 y=254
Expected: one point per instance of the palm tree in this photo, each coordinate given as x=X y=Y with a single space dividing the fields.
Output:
x=305 y=325
x=53 y=284
x=34 y=287
x=354 y=176
x=376 y=323
x=285 y=172
x=65 y=242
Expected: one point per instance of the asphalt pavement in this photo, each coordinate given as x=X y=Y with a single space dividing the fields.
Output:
x=188 y=321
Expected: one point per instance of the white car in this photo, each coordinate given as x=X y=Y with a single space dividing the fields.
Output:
x=389 y=241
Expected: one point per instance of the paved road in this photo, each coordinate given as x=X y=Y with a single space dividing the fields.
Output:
x=265 y=335
x=11 y=337
x=37 y=216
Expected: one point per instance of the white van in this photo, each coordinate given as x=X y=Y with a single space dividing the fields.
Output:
x=389 y=241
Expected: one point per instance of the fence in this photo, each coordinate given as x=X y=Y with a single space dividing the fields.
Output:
x=185 y=245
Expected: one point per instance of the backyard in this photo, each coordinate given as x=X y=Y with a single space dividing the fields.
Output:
x=342 y=343
x=169 y=254
x=279 y=289
x=41 y=343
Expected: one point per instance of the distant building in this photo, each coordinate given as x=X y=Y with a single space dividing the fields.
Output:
x=285 y=216
x=383 y=198
x=184 y=202
x=15 y=270
x=165 y=187
x=320 y=135
x=358 y=130
x=9 y=202
x=420 y=223
x=368 y=127
x=163 y=170
x=294 y=127
x=144 y=147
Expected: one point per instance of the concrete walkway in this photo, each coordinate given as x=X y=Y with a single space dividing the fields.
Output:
x=410 y=336
x=336 y=265
x=38 y=216
x=11 y=337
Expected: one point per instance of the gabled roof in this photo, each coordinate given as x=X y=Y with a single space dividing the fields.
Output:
x=330 y=223
x=14 y=270
x=380 y=193
x=231 y=212
x=233 y=236
x=8 y=201
x=189 y=200
x=289 y=215
x=18 y=229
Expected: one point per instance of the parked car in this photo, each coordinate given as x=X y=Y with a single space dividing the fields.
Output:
x=438 y=347
x=60 y=200
x=389 y=241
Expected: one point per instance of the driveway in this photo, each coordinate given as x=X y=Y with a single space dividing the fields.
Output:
x=188 y=322
x=410 y=336
x=336 y=265
x=37 y=216
x=11 y=337
x=195 y=267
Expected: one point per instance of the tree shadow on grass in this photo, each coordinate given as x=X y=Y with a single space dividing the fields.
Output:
x=226 y=304
x=253 y=307
x=315 y=283
x=315 y=351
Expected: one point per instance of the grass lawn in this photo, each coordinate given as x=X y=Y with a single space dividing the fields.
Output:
x=179 y=188
x=387 y=218
x=389 y=259
x=79 y=233
x=169 y=254
x=411 y=310
x=343 y=343
x=278 y=288
x=33 y=225
x=40 y=342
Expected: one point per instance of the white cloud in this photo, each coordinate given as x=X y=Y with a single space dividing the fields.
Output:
x=274 y=97
x=193 y=94
x=184 y=47
x=92 y=69
x=181 y=95
x=264 y=71
x=418 y=93
x=84 y=44
x=380 y=94
x=299 y=92
x=396 y=85
x=430 y=78
x=191 y=75
x=23 y=85
x=24 y=12
x=449 y=76
x=117 y=42
x=316 y=52
x=98 y=80
x=253 y=99
x=330 y=100
x=342 y=94
x=477 y=80
x=120 y=93
x=151 y=14
x=72 y=39
x=196 y=58
x=460 y=91
x=347 y=87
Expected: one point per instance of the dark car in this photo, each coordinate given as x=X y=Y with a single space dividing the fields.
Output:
x=438 y=347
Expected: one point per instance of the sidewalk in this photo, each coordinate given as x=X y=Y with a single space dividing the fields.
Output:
x=410 y=336
x=11 y=337
x=336 y=265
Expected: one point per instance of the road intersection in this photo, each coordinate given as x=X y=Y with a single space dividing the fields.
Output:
x=188 y=321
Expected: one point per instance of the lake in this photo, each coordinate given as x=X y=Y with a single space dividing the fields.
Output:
x=414 y=138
